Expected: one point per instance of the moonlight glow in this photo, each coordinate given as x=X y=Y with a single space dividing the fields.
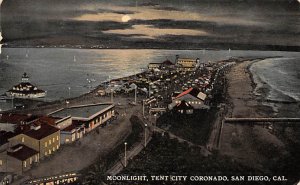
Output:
x=126 y=18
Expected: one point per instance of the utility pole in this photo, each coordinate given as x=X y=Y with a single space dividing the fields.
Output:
x=145 y=135
x=12 y=102
x=149 y=90
x=135 y=94
x=112 y=95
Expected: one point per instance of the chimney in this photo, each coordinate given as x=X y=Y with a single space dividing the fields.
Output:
x=35 y=127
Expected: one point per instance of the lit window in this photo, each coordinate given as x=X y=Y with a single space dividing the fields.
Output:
x=30 y=160
x=57 y=147
x=50 y=142
x=53 y=140
x=67 y=140
x=45 y=144
x=57 y=138
x=49 y=152
x=53 y=149
x=25 y=164
x=46 y=153
x=23 y=139
x=1 y=162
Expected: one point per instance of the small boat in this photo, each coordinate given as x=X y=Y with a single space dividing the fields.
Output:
x=25 y=90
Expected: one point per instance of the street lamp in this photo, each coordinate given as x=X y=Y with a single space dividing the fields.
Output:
x=69 y=88
x=155 y=117
x=112 y=95
x=125 y=160
x=144 y=108
x=145 y=134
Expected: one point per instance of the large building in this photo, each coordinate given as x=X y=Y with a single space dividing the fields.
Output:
x=25 y=89
x=154 y=66
x=187 y=64
x=72 y=133
x=9 y=121
x=43 y=138
x=20 y=158
x=87 y=116
x=167 y=64
x=191 y=97
x=25 y=148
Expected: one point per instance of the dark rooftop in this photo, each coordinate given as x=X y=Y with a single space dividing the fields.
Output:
x=23 y=153
x=183 y=105
x=168 y=62
x=4 y=136
x=44 y=131
x=194 y=92
x=70 y=128
x=47 y=120
x=15 y=118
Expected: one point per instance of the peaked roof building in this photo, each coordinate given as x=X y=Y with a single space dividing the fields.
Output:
x=193 y=96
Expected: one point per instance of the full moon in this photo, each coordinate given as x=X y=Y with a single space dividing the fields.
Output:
x=126 y=18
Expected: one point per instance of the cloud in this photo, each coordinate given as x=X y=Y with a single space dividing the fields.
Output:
x=150 y=32
x=154 y=13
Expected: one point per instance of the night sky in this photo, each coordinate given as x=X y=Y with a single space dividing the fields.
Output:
x=177 y=24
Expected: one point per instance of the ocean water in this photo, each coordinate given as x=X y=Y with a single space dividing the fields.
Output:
x=57 y=70
x=280 y=77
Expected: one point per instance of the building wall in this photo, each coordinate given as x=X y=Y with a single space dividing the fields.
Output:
x=49 y=144
x=66 y=137
x=100 y=119
x=4 y=147
x=69 y=137
x=27 y=164
x=3 y=157
x=153 y=66
x=187 y=62
x=26 y=140
x=11 y=164
x=193 y=101
x=64 y=123
x=8 y=127
x=45 y=146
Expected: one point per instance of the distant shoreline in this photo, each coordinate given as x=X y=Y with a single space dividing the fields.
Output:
x=248 y=47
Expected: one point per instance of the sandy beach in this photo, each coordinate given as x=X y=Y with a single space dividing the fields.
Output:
x=244 y=143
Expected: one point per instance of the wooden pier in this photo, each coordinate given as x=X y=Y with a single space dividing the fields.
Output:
x=264 y=121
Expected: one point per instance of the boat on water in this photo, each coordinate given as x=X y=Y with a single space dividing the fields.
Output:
x=25 y=90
